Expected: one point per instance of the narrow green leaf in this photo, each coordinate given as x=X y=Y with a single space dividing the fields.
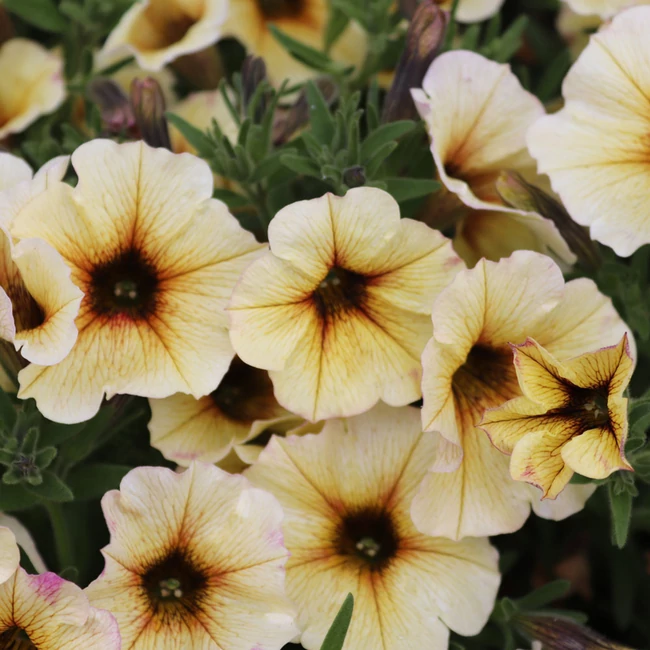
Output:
x=550 y=83
x=270 y=165
x=194 y=136
x=511 y=40
x=40 y=13
x=321 y=120
x=53 y=433
x=51 y=489
x=641 y=463
x=77 y=448
x=372 y=166
x=385 y=133
x=7 y=412
x=231 y=199
x=471 y=38
x=335 y=637
x=404 y=189
x=16 y=497
x=336 y=25
x=300 y=165
x=620 y=506
x=352 y=9
x=92 y=481
x=544 y=595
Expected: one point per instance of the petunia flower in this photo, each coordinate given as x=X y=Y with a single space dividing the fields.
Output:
x=572 y=416
x=9 y=554
x=156 y=258
x=239 y=409
x=196 y=560
x=157 y=32
x=595 y=149
x=601 y=8
x=24 y=539
x=304 y=20
x=346 y=494
x=472 y=11
x=45 y=611
x=468 y=368
x=31 y=84
x=576 y=28
x=338 y=310
x=38 y=300
x=477 y=115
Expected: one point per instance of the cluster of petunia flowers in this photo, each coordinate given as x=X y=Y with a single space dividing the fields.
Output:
x=136 y=281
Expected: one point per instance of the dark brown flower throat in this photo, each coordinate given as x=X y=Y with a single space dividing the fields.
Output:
x=339 y=291
x=275 y=9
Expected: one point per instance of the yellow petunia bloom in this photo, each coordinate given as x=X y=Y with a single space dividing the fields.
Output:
x=468 y=368
x=156 y=258
x=196 y=560
x=477 y=115
x=239 y=409
x=45 y=611
x=596 y=150
x=157 y=32
x=572 y=416
x=31 y=84
x=346 y=494
x=602 y=8
x=9 y=554
x=38 y=300
x=304 y=20
x=338 y=310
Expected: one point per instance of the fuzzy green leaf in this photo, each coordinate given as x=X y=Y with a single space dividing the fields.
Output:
x=194 y=136
x=404 y=189
x=335 y=637
x=16 y=497
x=321 y=121
x=40 y=13
x=620 y=506
x=544 y=595
x=52 y=488
x=385 y=133
x=300 y=165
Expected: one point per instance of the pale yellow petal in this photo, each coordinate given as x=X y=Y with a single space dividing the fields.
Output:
x=13 y=170
x=9 y=554
x=25 y=541
x=570 y=501
x=7 y=324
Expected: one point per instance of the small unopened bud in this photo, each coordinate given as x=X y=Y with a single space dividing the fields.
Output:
x=114 y=106
x=253 y=74
x=521 y=195
x=354 y=176
x=148 y=104
x=425 y=36
x=561 y=633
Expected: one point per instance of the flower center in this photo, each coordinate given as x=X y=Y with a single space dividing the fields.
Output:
x=162 y=24
x=126 y=284
x=339 y=291
x=27 y=313
x=245 y=394
x=16 y=638
x=589 y=405
x=275 y=9
x=174 y=581
x=370 y=536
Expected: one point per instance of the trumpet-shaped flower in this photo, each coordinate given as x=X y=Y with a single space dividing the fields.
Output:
x=346 y=494
x=338 y=310
x=477 y=115
x=240 y=408
x=45 y=611
x=572 y=416
x=201 y=567
x=304 y=20
x=468 y=368
x=596 y=149
x=31 y=84
x=157 y=32
x=602 y=8
x=156 y=258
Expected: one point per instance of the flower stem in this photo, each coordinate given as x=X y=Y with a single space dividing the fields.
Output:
x=62 y=538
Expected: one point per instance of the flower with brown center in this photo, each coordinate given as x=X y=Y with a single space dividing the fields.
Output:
x=477 y=115
x=202 y=567
x=238 y=410
x=338 y=310
x=572 y=416
x=156 y=258
x=346 y=494
x=303 y=20
x=31 y=84
x=157 y=32
x=468 y=368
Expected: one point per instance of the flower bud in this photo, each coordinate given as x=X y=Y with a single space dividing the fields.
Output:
x=253 y=73
x=424 y=38
x=354 y=176
x=148 y=105
x=114 y=106
x=521 y=195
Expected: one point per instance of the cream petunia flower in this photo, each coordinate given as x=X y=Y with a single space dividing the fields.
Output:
x=596 y=149
x=572 y=416
x=157 y=258
x=576 y=29
x=304 y=20
x=472 y=11
x=157 y=32
x=239 y=409
x=38 y=300
x=196 y=560
x=338 y=311
x=31 y=84
x=602 y=8
x=45 y=611
x=346 y=494
x=477 y=115
x=9 y=554
x=468 y=368
x=24 y=540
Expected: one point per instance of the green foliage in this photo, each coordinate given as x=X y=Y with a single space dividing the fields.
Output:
x=335 y=637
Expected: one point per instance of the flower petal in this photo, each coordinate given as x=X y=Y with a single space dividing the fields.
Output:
x=9 y=554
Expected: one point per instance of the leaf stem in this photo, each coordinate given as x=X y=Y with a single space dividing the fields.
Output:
x=62 y=537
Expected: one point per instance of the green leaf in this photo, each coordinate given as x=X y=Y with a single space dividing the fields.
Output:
x=321 y=121
x=231 y=199
x=336 y=25
x=77 y=448
x=7 y=412
x=335 y=637
x=403 y=189
x=300 y=165
x=40 y=13
x=641 y=463
x=471 y=38
x=511 y=40
x=550 y=83
x=92 y=481
x=53 y=433
x=194 y=136
x=620 y=506
x=544 y=595
x=385 y=133
x=16 y=497
x=52 y=488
